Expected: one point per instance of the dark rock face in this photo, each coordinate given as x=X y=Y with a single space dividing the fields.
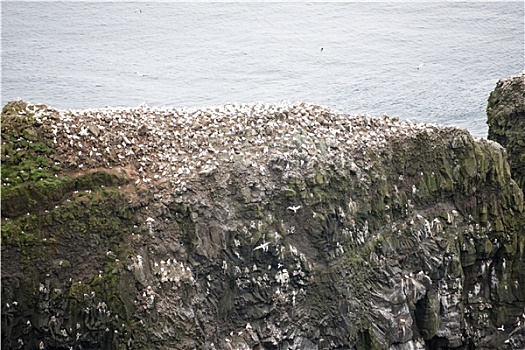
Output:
x=416 y=245
x=506 y=120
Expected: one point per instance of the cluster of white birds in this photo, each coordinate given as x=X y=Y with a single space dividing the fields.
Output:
x=171 y=270
x=174 y=144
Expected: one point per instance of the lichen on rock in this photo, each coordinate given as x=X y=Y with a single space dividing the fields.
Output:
x=288 y=226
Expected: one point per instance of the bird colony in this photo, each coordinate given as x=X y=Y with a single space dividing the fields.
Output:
x=176 y=144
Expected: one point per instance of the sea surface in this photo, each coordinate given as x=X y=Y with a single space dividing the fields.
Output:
x=432 y=62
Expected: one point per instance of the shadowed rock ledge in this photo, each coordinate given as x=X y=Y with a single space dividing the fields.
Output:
x=255 y=227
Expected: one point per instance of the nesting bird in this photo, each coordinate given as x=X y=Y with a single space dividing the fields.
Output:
x=173 y=146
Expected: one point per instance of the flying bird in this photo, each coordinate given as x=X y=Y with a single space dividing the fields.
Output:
x=294 y=208
x=263 y=246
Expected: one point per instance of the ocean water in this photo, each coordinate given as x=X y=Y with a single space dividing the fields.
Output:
x=432 y=62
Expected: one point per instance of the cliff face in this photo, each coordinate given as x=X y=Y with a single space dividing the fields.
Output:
x=255 y=227
x=506 y=120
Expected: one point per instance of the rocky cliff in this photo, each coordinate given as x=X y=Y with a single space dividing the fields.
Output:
x=288 y=226
x=506 y=120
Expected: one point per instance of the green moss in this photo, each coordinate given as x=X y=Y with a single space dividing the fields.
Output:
x=51 y=216
x=44 y=193
x=367 y=341
x=319 y=179
x=80 y=230
x=27 y=151
x=288 y=192
x=18 y=233
x=470 y=166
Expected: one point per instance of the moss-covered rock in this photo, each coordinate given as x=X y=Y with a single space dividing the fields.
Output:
x=506 y=120
x=65 y=243
x=395 y=236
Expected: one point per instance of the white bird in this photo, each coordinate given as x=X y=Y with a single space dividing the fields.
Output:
x=263 y=246
x=294 y=208
x=502 y=328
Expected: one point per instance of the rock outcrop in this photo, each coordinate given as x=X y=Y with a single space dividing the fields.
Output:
x=506 y=120
x=255 y=227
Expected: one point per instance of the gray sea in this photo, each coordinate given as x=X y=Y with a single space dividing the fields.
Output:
x=432 y=62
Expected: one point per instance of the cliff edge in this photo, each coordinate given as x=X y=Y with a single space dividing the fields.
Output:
x=506 y=120
x=286 y=226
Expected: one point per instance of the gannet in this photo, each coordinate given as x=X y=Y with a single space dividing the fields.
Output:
x=294 y=208
x=263 y=246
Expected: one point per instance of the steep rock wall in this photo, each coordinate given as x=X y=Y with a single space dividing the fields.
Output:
x=255 y=227
x=506 y=120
